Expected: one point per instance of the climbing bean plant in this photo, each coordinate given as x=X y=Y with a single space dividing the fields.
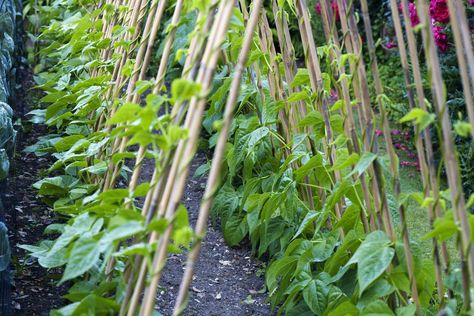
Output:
x=298 y=168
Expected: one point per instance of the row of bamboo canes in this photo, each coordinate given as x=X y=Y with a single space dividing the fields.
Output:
x=171 y=170
x=169 y=177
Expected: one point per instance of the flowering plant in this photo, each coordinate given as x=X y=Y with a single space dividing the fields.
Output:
x=333 y=7
x=414 y=18
x=441 y=39
x=439 y=11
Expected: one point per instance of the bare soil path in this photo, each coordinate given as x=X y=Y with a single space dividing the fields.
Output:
x=227 y=281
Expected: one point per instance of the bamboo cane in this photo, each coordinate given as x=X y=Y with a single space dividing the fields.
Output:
x=462 y=51
x=350 y=125
x=388 y=138
x=449 y=153
x=316 y=81
x=210 y=57
x=426 y=161
x=187 y=149
x=219 y=152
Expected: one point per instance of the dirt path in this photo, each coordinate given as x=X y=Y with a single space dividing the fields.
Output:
x=226 y=281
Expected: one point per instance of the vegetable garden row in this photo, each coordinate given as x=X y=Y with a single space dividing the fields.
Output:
x=304 y=163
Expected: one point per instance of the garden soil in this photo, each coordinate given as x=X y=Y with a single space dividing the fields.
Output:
x=227 y=281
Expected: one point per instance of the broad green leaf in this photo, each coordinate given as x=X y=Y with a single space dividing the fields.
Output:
x=364 y=162
x=315 y=296
x=421 y=118
x=90 y=305
x=158 y=225
x=121 y=156
x=281 y=266
x=470 y=201
x=67 y=310
x=310 y=217
x=316 y=163
x=409 y=310
x=121 y=232
x=84 y=255
x=142 y=249
x=202 y=170
x=315 y=120
x=141 y=189
x=271 y=230
x=183 y=90
x=246 y=144
x=298 y=96
x=463 y=129
x=344 y=161
x=142 y=86
x=344 y=309
x=125 y=113
x=342 y=255
x=145 y=138
x=444 y=228
x=67 y=142
x=301 y=78
x=350 y=218
x=115 y=194
x=377 y=308
x=235 y=230
x=58 y=186
x=399 y=278
x=63 y=82
x=380 y=289
x=373 y=257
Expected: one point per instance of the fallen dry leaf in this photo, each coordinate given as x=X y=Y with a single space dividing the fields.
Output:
x=225 y=262
x=197 y=290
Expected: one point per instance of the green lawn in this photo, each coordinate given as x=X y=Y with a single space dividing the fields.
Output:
x=417 y=216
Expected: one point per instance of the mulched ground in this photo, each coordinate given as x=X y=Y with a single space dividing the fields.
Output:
x=227 y=281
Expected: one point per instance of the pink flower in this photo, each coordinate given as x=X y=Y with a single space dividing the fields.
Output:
x=317 y=8
x=378 y=132
x=441 y=39
x=410 y=164
x=333 y=97
x=439 y=11
x=406 y=135
x=396 y=132
x=334 y=7
x=415 y=20
x=405 y=163
x=391 y=44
